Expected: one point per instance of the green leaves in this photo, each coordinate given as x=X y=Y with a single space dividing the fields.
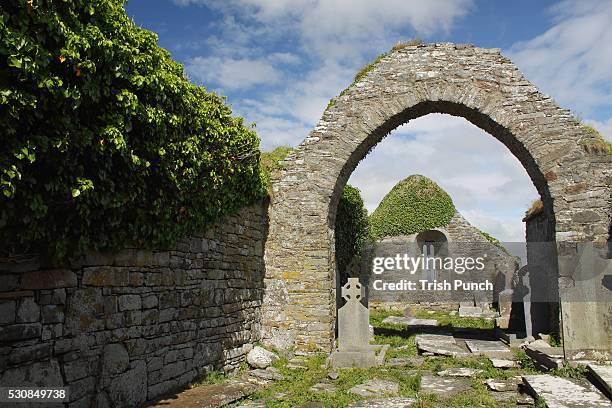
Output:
x=351 y=227
x=413 y=205
x=105 y=143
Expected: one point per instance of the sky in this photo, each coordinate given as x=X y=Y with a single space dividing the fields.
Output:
x=279 y=62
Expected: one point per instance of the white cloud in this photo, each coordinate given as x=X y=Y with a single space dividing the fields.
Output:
x=233 y=73
x=573 y=59
x=486 y=182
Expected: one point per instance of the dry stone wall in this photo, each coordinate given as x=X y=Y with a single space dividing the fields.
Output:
x=121 y=329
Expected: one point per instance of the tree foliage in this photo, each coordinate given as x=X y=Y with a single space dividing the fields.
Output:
x=351 y=227
x=413 y=205
x=104 y=141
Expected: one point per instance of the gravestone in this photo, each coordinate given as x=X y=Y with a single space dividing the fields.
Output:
x=354 y=348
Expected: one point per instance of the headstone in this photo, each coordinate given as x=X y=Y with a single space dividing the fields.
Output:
x=354 y=348
x=487 y=347
x=565 y=392
x=444 y=345
x=603 y=376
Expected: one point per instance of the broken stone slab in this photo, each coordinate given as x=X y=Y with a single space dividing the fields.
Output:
x=459 y=372
x=440 y=344
x=564 y=392
x=375 y=387
x=209 y=396
x=548 y=358
x=410 y=321
x=602 y=374
x=470 y=311
x=444 y=386
x=323 y=387
x=504 y=363
x=486 y=346
x=498 y=385
x=395 y=402
x=259 y=357
x=333 y=375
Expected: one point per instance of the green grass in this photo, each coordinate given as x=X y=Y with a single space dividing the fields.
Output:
x=294 y=390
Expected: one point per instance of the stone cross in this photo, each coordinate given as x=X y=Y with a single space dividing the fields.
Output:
x=353 y=319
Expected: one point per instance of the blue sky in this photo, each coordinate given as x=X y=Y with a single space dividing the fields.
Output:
x=280 y=61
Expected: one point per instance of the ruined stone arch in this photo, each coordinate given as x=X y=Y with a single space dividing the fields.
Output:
x=477 y=84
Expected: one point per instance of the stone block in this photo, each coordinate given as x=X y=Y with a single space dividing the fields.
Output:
x=52 y=314
x=129 y=302
x=86 y=311
x=29 y=353
x=149 y=302
x=105 y=276
x=28 y=311
x=116 y=359
x=39 y=374
x=20 y=332
x=49 y=279
x=7 y=311
x=58 y=297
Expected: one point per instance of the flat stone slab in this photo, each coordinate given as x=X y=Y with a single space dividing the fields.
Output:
x=440 y=344
x=397 y=402
x=498 y=385
x=504 y=363
x=410 y=321
x=444 y=386
x=253 y=404
x=546 y=357
x=372 y=356
x=209 y=396
x=459 y=372
x=603 y=375
x=565 y=392
x=375 y=387
x=470 y=311
x=487 y=346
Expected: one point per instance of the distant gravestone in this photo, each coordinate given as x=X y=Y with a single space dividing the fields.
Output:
x=353 y=318
x=354 y=348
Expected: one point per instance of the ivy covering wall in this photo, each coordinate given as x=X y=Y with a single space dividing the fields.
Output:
x=413 y=205
x=351 y=227
x=104 y=141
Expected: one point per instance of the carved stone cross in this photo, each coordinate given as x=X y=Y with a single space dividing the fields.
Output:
x=353 y=319
x=352 y=291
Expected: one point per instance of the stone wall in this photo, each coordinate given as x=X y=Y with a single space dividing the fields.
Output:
x=485 y=88
x=121 y=329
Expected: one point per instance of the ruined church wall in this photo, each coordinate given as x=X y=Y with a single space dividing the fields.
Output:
x=124 y=328
x=464 y=240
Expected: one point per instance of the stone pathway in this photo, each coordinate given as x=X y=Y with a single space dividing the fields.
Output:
x=565 y=392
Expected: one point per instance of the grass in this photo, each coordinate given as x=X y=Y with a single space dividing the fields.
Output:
x=294 y=389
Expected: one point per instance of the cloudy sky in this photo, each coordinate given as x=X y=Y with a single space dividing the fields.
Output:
x=280 y=61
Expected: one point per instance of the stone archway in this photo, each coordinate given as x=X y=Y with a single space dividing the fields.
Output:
x=477 y=84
